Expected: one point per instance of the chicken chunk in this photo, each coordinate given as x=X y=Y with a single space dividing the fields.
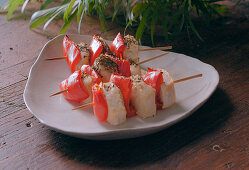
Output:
x=167 y=92
x=131 y=48
x=105 y=66
x=116 y=109
x=85 y=55
x=143 y=98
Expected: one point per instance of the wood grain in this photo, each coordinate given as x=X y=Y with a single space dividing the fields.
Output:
x=214 y=137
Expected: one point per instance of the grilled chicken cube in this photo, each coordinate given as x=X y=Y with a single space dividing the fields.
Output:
x=88 y=82
x=85 y=55
x=105 y=66
x=143 y=98
x=167 y=92
x=135 y=68
x=131 y=48
x=116 y=109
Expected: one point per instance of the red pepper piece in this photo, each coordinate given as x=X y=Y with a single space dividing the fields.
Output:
x=76 y=90
x=118 y=45
x=125 y=85
x=100 y=107
x=154 y=78
x=123 y=66
x=89 y=71
x=96 y=48
x=72 y=53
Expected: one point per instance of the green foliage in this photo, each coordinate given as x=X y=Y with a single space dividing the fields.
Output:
x=170 y=16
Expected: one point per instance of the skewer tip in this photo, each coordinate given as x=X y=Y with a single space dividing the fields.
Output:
x=83 y=106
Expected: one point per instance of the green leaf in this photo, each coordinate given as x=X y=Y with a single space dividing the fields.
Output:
x=116 y=9
x=102 y=19
x=80 y=7
x=153 y=23
x=13 y=5
x=68 y=10
x=51 y=19
x=24 y=5
x=193 y=28
x=128 y=24
x=40 y=21
x=81 y=17
x=165 y=27
x=66 y=25
x=137 y=7
x=45 y=4
x=141 y=26
x=44 y=12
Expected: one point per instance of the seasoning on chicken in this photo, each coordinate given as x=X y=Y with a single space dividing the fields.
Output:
x=167 y=92
x=115 y=103
x=131 y=48
x=85 y=55
x=135 y=68
x=105 y=66
x=143 y=98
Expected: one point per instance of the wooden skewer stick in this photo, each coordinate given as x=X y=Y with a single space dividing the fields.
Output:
x=58 y=93
x=83 y=106
x=187 y=78
x=176 y=81
x=156 y=48
x=153 y=58
x=56 y=58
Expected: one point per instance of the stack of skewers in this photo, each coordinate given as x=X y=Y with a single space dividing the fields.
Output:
x=110 y=79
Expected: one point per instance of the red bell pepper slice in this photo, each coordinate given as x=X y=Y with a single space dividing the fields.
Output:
x=96 y=48
x=154 y=78
x=100 y=107
x=89 y=71
x=76 y=90
x=123 y=66
x=118 y=45
x=125 y=85
x=72 y=53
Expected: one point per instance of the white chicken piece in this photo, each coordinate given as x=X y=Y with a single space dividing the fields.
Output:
x=135 y=68
x=143 y=98
x=167 y=92
x=131 y=48
x=87 y=81
x=105 y=66
x=116 y=109
x=85 y=55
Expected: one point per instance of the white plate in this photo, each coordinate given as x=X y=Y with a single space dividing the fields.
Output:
x=55 y=112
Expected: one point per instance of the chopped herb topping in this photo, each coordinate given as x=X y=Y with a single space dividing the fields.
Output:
x=106 y=48
x=108 y=86
x=106 y=62
x=84 y=48
x=129 y=40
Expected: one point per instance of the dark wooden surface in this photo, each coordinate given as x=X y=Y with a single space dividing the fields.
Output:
x=215 y=137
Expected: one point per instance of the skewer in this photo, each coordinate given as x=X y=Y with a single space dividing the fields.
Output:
x=176 y=81
x=153 y=58
x=187 y=78
x=156 y=48
x=56 y=58
x=83 y=106
x=58 y=92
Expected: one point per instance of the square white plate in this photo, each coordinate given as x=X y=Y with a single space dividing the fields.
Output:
x=56 y=112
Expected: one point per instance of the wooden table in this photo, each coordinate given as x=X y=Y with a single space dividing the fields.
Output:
x=215 y=137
